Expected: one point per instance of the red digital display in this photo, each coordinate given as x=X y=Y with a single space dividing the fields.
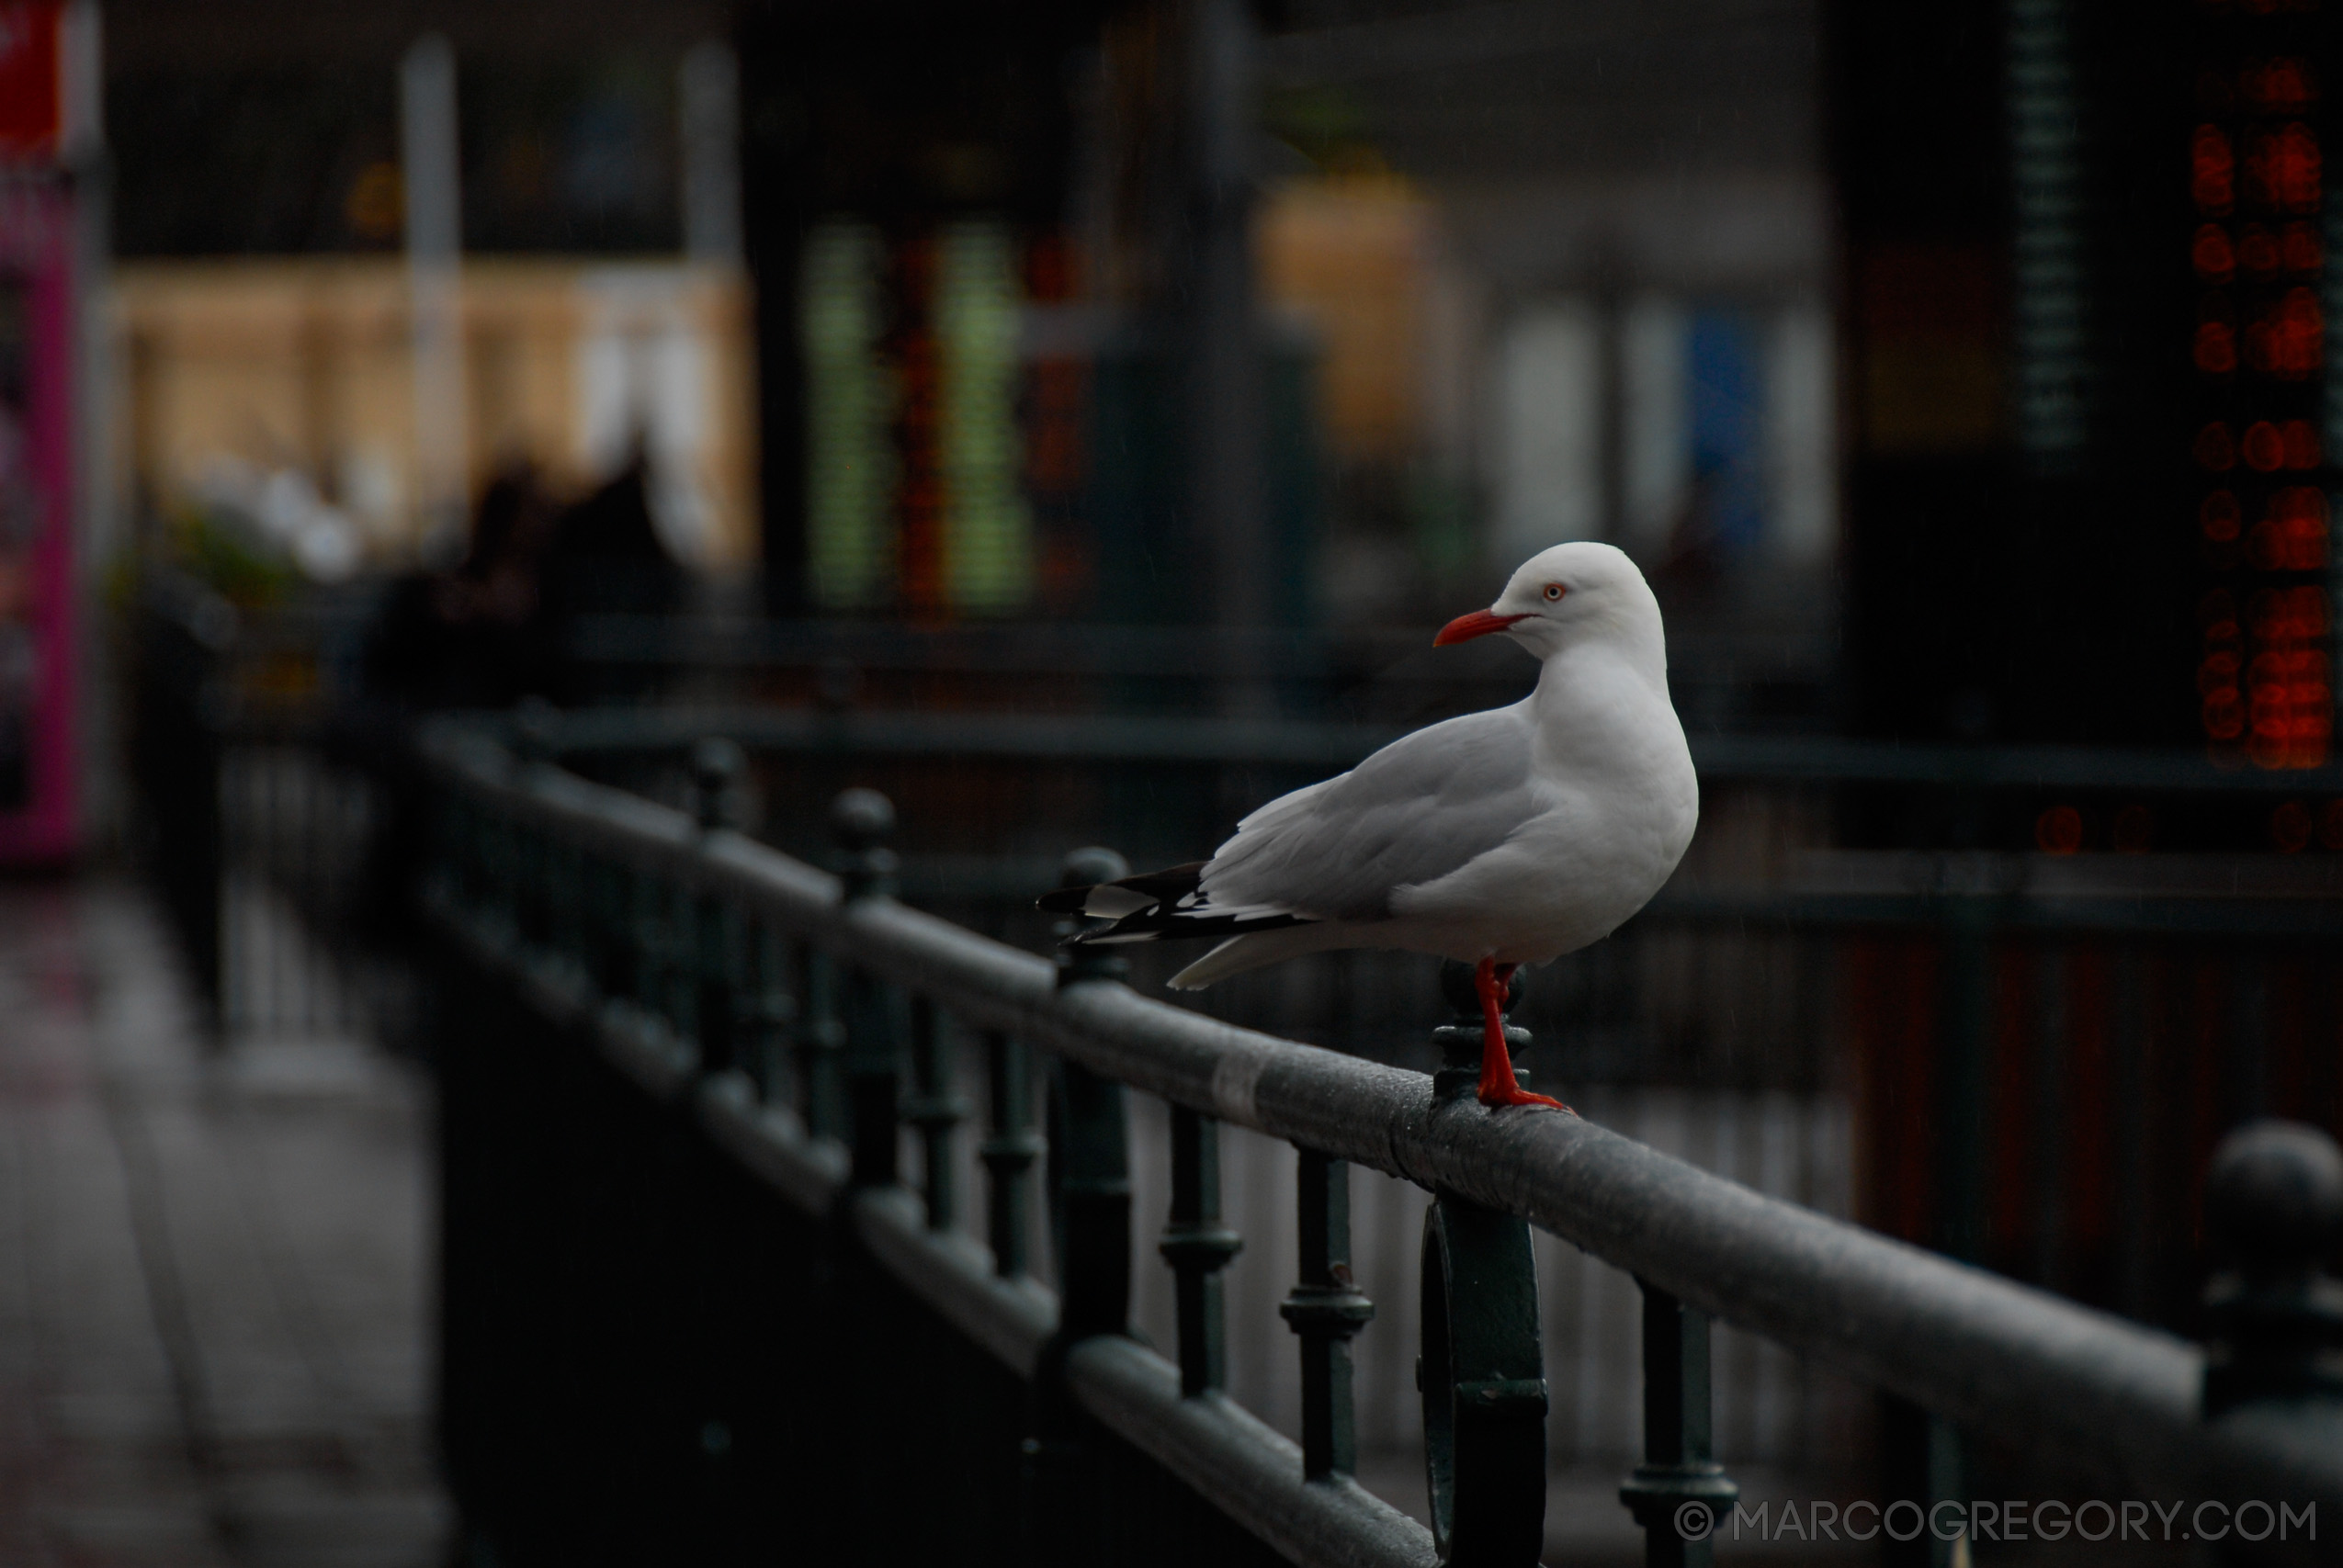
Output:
x=2256 y=176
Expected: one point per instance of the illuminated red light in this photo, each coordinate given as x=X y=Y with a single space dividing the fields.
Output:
x=2216 y=349
x=2292 y=538
x=2212 y=256
x=2219 y=516
x=2302 y=249
x=2266 y=678
x=2059 y=831
x=2212 y=170
x=2256 y=250
x=2224 y=716
x=2267 y=447
x=2299 y=439
x=2283 y=84
x=2290 y=683
x=2283 y=168
x=2264 y=448
x=2289 y=340
x=2213 y=449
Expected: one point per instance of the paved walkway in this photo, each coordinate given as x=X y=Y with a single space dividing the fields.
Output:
x=213 y=1298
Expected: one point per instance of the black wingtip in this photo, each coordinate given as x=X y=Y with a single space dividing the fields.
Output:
x=1063 y=900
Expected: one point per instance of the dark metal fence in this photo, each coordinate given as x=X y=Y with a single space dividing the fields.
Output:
x=272 y=821
x=2037 y=1051
x=703 y=1283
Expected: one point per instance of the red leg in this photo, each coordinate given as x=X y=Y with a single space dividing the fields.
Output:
x=1498 y=1085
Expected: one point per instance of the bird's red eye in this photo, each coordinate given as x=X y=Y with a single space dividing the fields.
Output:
x=1552 y=591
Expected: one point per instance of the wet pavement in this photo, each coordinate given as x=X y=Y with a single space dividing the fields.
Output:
x=214 y=1288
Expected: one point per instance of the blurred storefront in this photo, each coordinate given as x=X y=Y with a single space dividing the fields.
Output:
x=282 y=390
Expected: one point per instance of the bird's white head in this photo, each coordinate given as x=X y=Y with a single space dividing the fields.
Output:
x=1571 y=593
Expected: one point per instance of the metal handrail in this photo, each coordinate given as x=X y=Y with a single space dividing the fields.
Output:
x=2036 y=1373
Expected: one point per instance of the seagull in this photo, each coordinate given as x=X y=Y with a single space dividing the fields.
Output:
x=1499 y=839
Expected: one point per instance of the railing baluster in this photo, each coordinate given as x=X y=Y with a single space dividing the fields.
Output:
x=821 y=1043
x=861 y=820
x=1198 y=1247
x=1089 y=1150
x=1680 y=1492
x=934 y=1109
x=571 y=917
x=716 y=765
x=644 y=939
x=1326 y=1309
x=763 y=1010
x=679 y=933
x=1009 y=1154
x=1090 y=1154
x=1482 y=1370
x=1090 y=1209
x=2273 y=1207
x=605 y=952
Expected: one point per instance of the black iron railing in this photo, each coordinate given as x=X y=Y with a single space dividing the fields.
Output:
x=689 y=1294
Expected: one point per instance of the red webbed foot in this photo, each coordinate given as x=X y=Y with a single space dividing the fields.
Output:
x=1514 y=1094
x=1498 y=1085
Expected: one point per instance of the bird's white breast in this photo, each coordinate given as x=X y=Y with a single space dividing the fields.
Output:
x=1620 y=801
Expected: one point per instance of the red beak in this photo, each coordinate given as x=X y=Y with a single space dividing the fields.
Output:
x=1480 y=623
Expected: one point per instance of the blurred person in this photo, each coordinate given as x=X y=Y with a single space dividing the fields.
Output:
x=471 y=638
x=604 y=557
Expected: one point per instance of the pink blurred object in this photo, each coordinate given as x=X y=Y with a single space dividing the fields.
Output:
x=39 y=610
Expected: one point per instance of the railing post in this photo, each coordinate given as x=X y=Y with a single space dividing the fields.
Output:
x=2274 y=1207
x=1089 y=1153
x=763 y=1011
x=1679 y=1494
x=935 y=1111
x=862 y=821
x=2274 y=1319
x=1482 y=1370
x=1009 y=1153
x=1198 y=1247
x=1090 y=1193
x=646 y=939
x=534 y=909
x=1326 y=1309
x=820 y=1044
x=716 y=765
x=572 y=920
x=608 y=954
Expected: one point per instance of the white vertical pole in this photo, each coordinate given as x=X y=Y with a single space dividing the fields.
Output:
x=709 y=97
x=427 y=156
x=96 y=507
x=1228 y=464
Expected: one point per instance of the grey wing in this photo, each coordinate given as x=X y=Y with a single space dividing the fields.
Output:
x=1414 y=811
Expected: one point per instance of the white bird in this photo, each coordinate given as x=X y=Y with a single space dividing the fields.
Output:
x=1500 y=838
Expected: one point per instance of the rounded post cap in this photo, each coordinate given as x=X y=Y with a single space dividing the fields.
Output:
x=2274 y=1195
x=716 y=761
x=861 y=819
x=716 y=766
x=1089 y=866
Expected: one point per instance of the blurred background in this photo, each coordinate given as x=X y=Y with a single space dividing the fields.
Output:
x=1073 y=418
